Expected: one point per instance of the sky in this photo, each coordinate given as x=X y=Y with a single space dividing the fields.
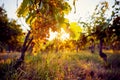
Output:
x=83 y=9
x=10 y=6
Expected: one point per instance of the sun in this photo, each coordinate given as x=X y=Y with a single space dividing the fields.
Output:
x=62 y=35
x=52 y=34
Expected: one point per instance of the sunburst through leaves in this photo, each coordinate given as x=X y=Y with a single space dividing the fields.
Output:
x=62 y=35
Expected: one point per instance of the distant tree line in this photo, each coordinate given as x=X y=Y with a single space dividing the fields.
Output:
x=11 y=35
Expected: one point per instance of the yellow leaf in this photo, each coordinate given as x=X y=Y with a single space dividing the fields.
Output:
x=76 y=29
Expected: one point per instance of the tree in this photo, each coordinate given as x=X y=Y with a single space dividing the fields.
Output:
x=90 y=38
x=3 y=21
x=9 y=31
x=16 y=40
x=115 y=26
x=41 y=15
x=100 y=25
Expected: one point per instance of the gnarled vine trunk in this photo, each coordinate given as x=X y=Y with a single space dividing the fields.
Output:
x=102 y=55
x=100 y=46
x=26 y=44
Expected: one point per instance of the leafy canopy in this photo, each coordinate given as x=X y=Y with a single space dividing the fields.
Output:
x=42 y=15
x=75 y=30
x=43 y=9
x=10 y=31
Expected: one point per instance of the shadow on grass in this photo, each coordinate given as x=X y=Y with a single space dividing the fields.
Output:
x=113 y=67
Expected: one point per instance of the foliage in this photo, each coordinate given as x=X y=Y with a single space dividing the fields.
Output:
x=115 y=26
x=103 y=27
x=116 y=9
x=114 y=29
x=46 y=13
x=75 y=30
x=43 y=15
x=3 y=22
x=10 y=31
x=99 y=20
x=106 y=26
x=82 y=41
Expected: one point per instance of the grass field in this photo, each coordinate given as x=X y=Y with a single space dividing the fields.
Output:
x=63 y=66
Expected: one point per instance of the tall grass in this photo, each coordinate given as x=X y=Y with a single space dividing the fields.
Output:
x=65 y=66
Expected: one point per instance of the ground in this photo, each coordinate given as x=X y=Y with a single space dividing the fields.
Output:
x=65 y=66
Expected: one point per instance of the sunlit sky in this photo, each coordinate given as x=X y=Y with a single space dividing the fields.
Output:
x=83 y=9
